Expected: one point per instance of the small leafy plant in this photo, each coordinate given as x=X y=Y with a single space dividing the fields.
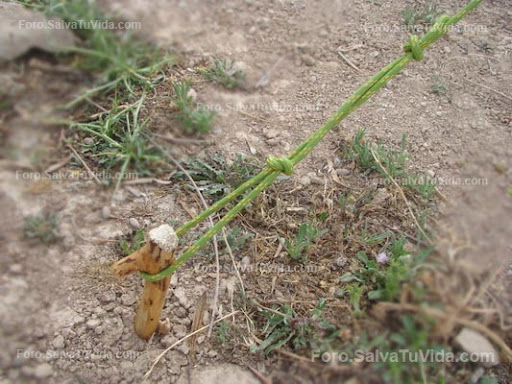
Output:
x=425 y=15
x=215 y=177
x=121 y=141
x=130 y=246
x=284 y=326
x=123 y=62
x=43 y=227
x=394 y=165
x=385 y=280
x=225 y=73
x=194 y=120
x=306 y=236
x=438 y=86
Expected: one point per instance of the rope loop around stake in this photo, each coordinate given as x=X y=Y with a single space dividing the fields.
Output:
x=414 y=50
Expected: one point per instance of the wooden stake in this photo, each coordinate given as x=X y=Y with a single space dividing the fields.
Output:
x=157 y=254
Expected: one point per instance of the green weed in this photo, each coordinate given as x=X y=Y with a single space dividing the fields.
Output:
x=393 y=366
x=225 y=73
x=130 y=246
x=421 y=15
x=121 y=141
x=215 y=177
x=284 y=326
x=383 y=280
x=43 y=227
x=194 y=120
x=306 y=236
x=122 y=62
x=236 y=238
x=394 y=165
x=437 y=84
x=223 y=333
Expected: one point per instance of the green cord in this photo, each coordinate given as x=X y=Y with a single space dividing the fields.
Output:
x=414 y=50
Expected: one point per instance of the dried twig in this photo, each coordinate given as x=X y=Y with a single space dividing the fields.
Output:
x=402 y=193
x=89 y=171
x=346 y=60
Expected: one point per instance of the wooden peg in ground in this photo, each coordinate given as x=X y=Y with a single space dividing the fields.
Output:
x=157 y=254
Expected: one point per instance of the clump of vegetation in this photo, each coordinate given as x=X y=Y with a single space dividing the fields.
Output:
x=438 y=86
x=224 y=333
x=236 y=238
x=195 y=120
x=43 y=227
x=224 y=72
x=417 y=15
x=389 y=164
x=128 y=246
x=123 y=62
x=297 y=248
x=122 y=141
x=215 y=177
x=284 y=326
x=383 y=276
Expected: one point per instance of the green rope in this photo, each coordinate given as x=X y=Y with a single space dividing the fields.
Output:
x=414 y=50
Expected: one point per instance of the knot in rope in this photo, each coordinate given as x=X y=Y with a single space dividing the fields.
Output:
x=280 y=164
x=415 y=48
x=441 y=24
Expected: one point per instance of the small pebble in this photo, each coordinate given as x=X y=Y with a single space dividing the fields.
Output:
x=106 y=212
x=58 y=342
x=43 y=371
x=308 y=60
x=16 y=268
x=88 y=141
x=134 y=223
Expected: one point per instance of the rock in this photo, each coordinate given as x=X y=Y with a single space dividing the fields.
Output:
x=181 y=295
x=168 y=340
x=164 y=326
x=304 y=181
x=58 y=342
x=107 y=297
x=447 y=49
x=381 y=196
x=271 y=133
x=88 y=141
x=93 y=323
x=219 y=374
x=16 y=268
x=43 y=371
x=183 y=348
x=128 y=299
x=180 y=331
x=478 y=346
x=308 y=60
x=315 y=179
x=19 y=32
x=134 y=223
x=192 y=93
x=343 y=172
x=374 y=54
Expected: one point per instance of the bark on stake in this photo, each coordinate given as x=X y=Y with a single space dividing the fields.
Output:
x=157 y=254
